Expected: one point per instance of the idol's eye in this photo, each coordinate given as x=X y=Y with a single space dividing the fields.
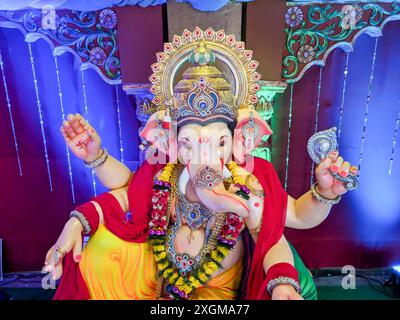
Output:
x=185 y=142
x=222 y=142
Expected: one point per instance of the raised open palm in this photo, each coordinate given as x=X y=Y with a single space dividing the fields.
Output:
x=81 y=138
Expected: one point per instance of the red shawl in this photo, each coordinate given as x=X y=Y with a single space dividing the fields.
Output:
x=72 y=285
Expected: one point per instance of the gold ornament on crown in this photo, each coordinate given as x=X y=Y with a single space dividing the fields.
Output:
x=199 y=47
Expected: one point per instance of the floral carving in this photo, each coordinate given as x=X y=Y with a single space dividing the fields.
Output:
x=294 y=16
x=313 y=30
x=91 y=35
x=306 y=54
x=108 y=18
x=97 y=56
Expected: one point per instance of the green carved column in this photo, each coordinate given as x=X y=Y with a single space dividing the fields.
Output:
x=265 y=108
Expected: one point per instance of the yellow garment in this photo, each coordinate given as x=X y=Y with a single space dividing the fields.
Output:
x=120 y=270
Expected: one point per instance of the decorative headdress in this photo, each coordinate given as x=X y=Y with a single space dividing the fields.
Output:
x=203 y=94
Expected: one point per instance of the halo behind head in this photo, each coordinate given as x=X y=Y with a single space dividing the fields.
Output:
x=202 y=85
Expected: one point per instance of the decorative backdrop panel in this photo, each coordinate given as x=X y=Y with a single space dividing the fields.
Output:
x=314 y=30
x=90 y=35
x=202 y=5
x=39 y=179
x=357 y=92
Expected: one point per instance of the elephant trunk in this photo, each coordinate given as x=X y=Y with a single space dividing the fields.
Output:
x=216 y=198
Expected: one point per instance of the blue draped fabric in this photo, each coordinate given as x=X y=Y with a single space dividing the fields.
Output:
x=82 y=5
x=209 y=5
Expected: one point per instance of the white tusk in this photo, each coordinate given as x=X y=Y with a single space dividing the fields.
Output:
x=183 y=180
x=226 y=173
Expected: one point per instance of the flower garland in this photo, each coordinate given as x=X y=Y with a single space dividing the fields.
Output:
x=239 y=180
x=183 y=286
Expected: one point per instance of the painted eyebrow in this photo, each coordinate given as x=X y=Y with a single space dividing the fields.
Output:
x=224 y=136
x=184 y=138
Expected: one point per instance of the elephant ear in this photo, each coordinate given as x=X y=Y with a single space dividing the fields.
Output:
x=161 y=136
x=249 y=131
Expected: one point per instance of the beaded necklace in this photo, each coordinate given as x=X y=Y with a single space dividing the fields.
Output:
x=226 y=231
x=196 y=215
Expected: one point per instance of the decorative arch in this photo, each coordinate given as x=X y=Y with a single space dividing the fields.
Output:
x=314 y=30
x=91 y=36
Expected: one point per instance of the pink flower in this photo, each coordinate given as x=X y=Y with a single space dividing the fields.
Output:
x=108 y=18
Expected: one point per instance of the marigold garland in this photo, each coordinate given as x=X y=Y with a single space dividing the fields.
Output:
x=181 y=287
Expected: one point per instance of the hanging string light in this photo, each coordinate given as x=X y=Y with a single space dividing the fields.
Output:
x=11 y=115
x=396 y=131
x=85 y=104
x=317 y=117
x=60 y=94
x=39 y=107
x=371 y=79
x=289 y=135
x=346 y=71
x=121 y=146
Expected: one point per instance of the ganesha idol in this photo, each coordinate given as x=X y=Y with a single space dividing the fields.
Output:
x=201 y=218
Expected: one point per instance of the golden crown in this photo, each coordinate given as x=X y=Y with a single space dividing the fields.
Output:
x=203 y=93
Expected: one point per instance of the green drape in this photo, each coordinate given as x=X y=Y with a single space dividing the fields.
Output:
x=307 y=285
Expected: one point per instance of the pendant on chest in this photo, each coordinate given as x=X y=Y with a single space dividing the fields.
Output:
x=188 y=236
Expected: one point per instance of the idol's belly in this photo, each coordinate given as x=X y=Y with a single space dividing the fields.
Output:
x=116 y=269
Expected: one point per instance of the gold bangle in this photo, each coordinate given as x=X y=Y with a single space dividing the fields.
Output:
x=321 y=198
x=99 y=155
x=99 y=161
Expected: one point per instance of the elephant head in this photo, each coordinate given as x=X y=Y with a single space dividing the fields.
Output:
x=203 y=124
x=205 y=149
